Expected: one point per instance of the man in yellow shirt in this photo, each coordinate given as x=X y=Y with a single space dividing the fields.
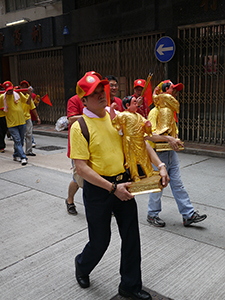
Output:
x=15 y=119
x=100 y=161
x=29 y=125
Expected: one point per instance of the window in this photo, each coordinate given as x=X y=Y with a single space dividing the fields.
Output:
x=12 y=5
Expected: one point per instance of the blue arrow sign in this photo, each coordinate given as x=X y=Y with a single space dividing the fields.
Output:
x=165 y=49
x=65 y=31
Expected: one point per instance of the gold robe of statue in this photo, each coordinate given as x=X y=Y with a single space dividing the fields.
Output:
x=167 y=105
x=134 y=147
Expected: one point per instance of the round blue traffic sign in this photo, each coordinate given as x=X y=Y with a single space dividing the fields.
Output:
x=165 y=49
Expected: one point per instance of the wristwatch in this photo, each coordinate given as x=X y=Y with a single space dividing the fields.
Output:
x=113 y=188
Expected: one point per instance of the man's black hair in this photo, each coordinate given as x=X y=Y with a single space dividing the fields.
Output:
x=126 y=100
x=166 y=85
x=111 y=77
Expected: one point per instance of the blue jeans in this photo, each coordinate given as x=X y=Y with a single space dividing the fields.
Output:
x=17 y=133
x=170 y=158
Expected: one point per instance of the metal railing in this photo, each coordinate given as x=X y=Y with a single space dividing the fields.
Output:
x=44 y=69
x=201 y=68
x=127 y=58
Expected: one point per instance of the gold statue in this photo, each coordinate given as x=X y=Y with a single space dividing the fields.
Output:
x=167 y=106
x=134 y=127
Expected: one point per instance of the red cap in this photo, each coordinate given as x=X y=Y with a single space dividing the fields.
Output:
x=139 y=82
x=24 y=81
x=94 y=73
x=7 y=85
x=87 y=84
x=178 y=86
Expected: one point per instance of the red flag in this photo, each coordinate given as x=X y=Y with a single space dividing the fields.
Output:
x=147 y=90
x=148 y=93
x=175 y=116
x=46 y=99
x=107 y=91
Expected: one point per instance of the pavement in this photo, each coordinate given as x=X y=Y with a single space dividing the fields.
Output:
x=39 y=239
x=190 y=147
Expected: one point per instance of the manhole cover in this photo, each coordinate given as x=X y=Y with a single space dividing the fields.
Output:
x=50 y=148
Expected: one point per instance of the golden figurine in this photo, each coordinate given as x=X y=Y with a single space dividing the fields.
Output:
x=134 y=128
x=167 y=105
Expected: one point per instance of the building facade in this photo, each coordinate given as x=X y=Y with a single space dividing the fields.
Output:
x=64 y=39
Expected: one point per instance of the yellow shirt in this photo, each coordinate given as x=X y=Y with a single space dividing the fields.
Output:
x=2 y=113
x=104 y=152
x=15 y=115
x=27 y=108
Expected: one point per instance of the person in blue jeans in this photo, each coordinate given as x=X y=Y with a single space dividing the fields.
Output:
x=15 y=119
x=169 y=158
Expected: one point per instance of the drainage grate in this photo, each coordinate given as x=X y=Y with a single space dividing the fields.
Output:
x=50 y=148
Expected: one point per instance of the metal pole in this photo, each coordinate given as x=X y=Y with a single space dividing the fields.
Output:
x=166 y=70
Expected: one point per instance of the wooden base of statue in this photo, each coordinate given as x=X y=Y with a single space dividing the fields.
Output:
x=146 y=185
x=159 y=147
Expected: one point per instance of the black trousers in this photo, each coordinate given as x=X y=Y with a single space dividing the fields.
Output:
x=99 y=205
x=3 y=130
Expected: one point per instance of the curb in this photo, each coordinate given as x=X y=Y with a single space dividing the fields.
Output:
x=188 y=150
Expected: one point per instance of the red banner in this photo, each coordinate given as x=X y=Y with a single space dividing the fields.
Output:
x=17 y=90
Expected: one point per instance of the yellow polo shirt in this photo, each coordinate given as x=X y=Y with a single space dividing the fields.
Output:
x=104 y=152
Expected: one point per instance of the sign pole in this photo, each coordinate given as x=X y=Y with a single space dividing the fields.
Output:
x=166 y=70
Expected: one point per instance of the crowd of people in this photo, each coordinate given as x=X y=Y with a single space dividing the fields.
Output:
x=111 y=142
x=96 y=150
x=17 y=114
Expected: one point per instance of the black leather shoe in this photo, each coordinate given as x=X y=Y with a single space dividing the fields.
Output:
x=83 y=280
x=142 y=295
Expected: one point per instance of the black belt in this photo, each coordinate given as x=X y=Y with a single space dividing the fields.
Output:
x=122 y=177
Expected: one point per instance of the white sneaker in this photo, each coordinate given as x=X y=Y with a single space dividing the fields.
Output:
x=33 y=145
x=17 y=159
x=23 y=161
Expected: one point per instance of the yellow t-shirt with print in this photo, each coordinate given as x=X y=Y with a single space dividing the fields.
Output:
x=104 y=152
x=15 y=115
x=27 y=108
